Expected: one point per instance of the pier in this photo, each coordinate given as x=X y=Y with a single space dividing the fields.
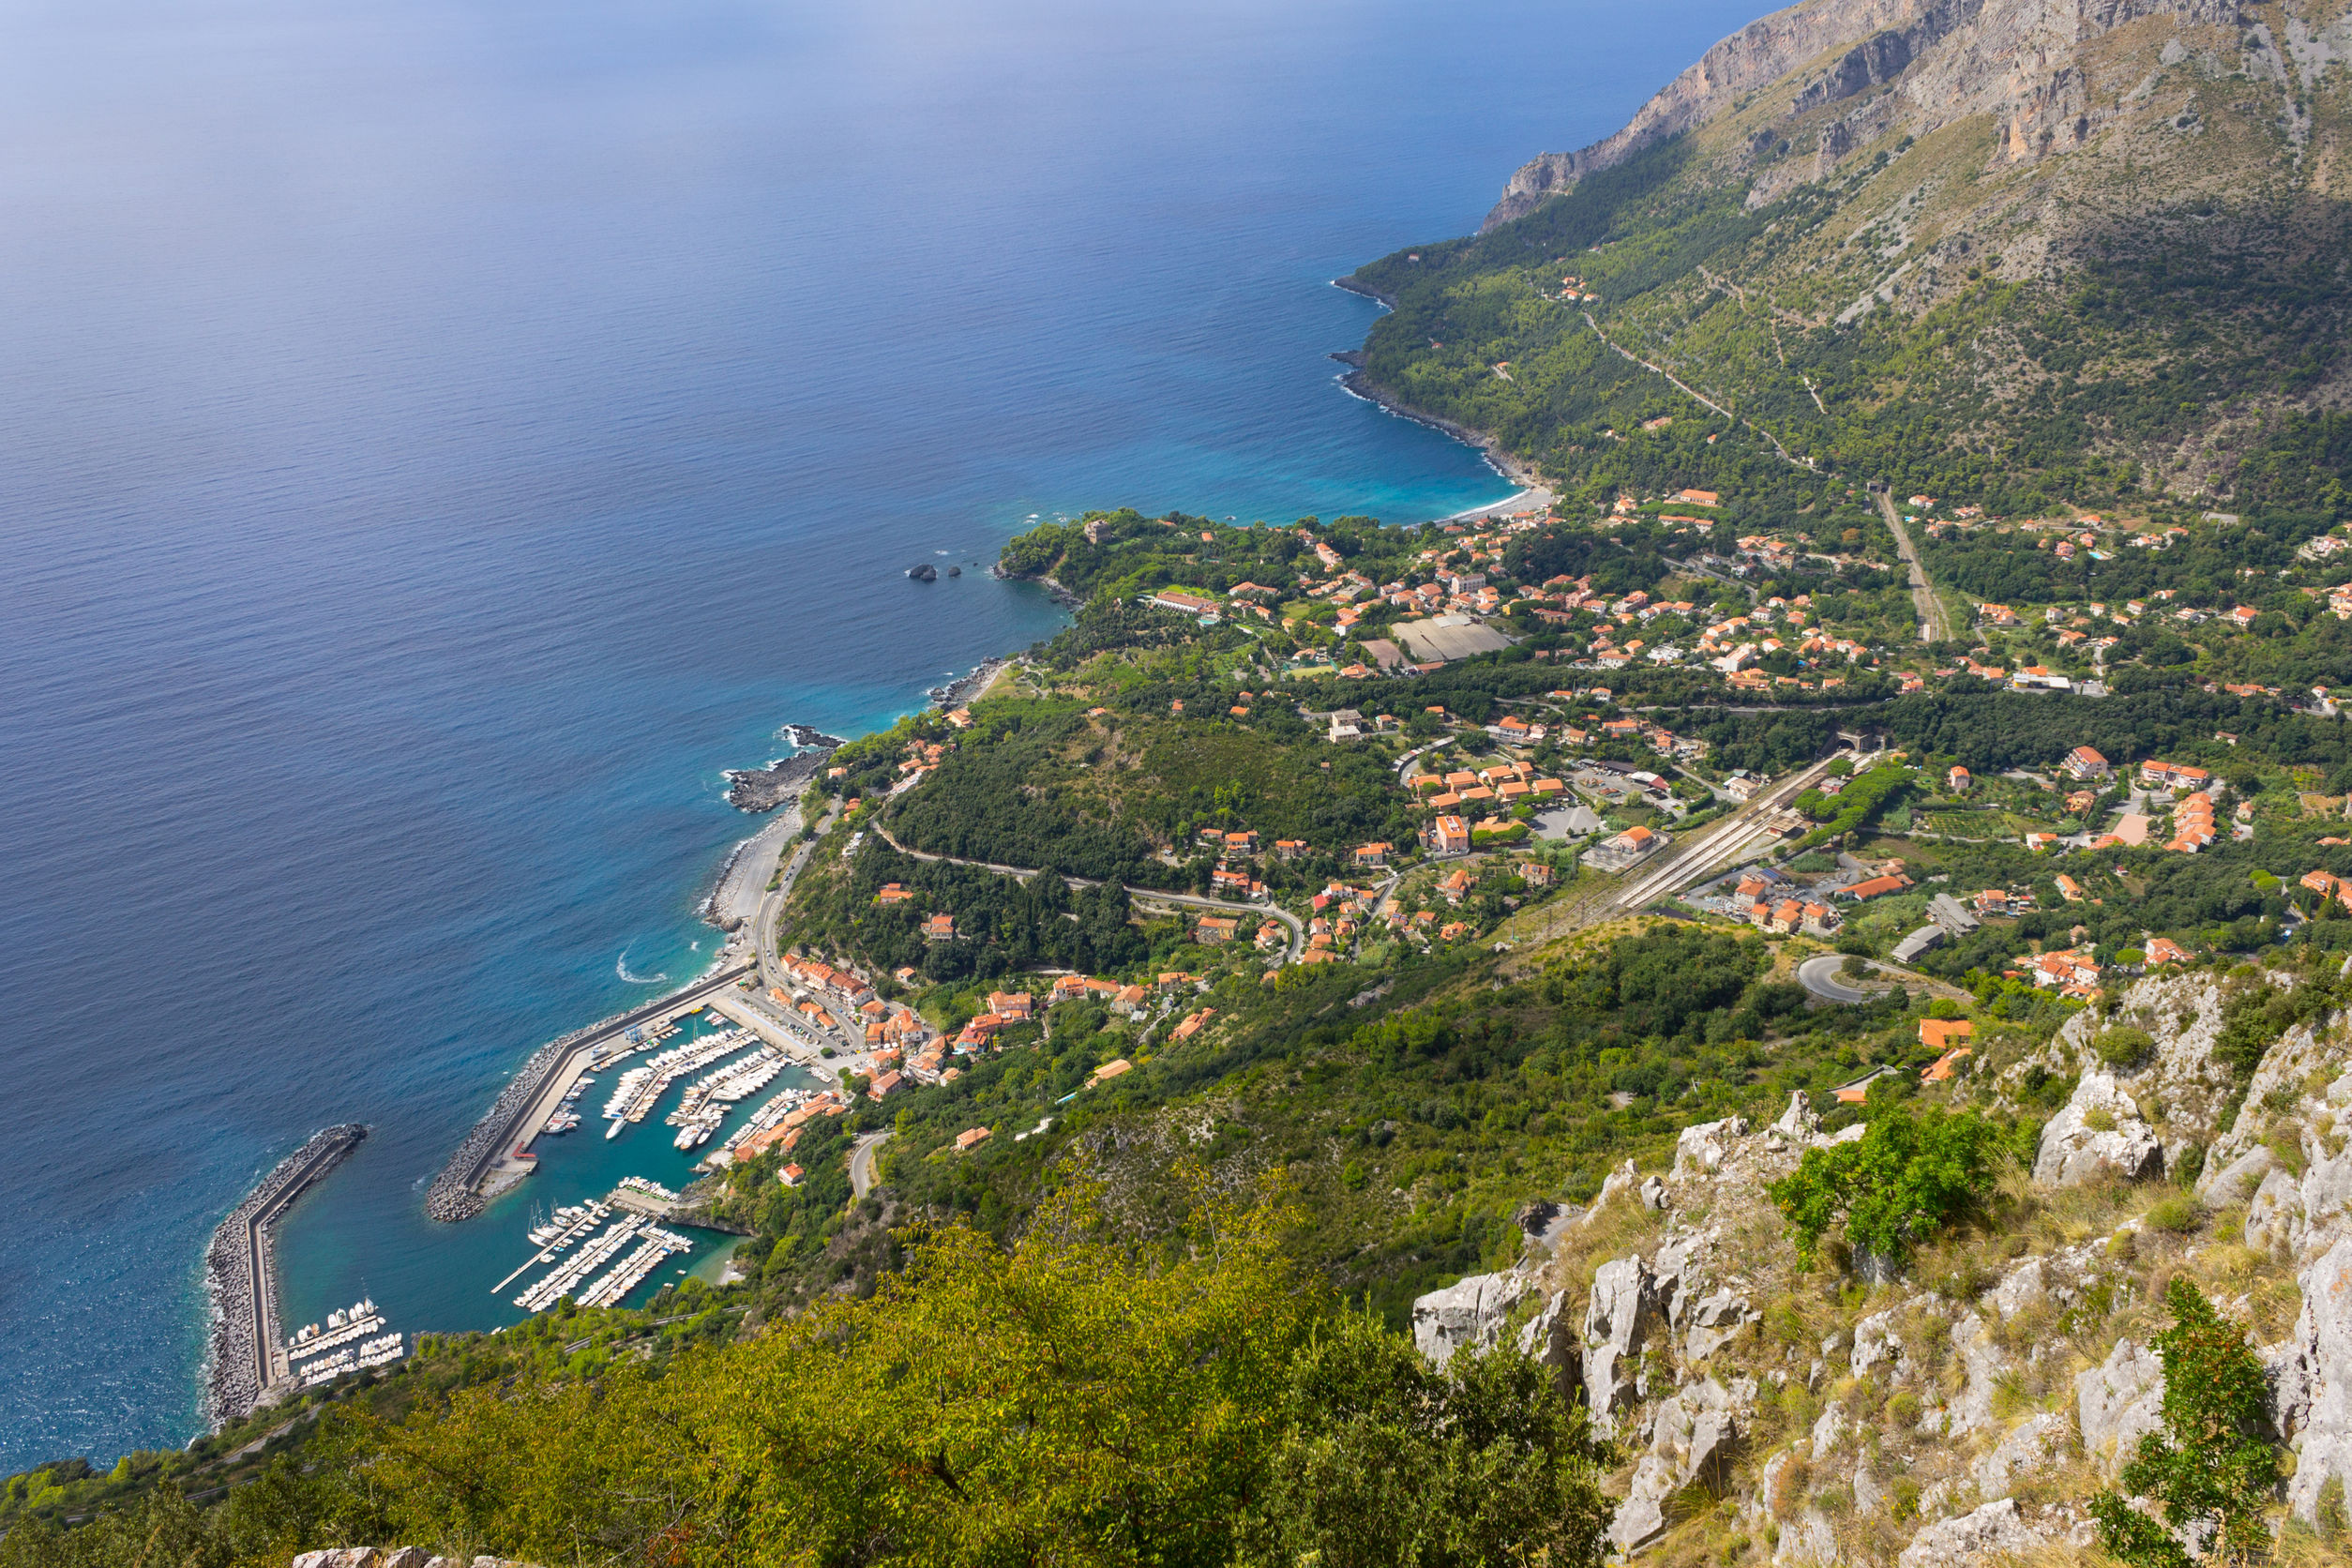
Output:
x=492 y=1159
x=249 y=1364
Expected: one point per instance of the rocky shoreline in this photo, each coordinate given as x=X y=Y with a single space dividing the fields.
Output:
x=1357 y=380
x=963 y=689
x=232 y=1383
x=759 y=790
x=1515 y=469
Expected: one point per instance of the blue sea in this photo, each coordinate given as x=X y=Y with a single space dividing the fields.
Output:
x=442 y=438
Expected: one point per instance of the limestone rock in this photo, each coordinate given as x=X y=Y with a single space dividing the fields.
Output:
x=2315 y=1394
x=1468 y=1312
x=2038 y=1442
x=1983 y=1362
x=2074 y=1151
x=1692 y=1437
x=1971 y=1539
x=1828 y=1430
x=2276 y=1215
x=1875 y=1342
x=2119 y=1402
x=2219 y=1185
x=1623 y=1179
x=1706 y=1144
x=1627 y=1311
x=1869 y=1497
x=2022 y=1288
x=1797 y=1124
x=1549 y=1339
x=1653 y=1195
x=1809 y=1539
x=1715 y=1320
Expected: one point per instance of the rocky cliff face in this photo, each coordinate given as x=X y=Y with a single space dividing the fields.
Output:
x=1968 y=1407
x=1917 y=65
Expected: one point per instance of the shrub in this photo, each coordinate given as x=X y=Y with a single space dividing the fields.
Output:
x=2210 y=1471
x=1908 y=1176
x=2099 y=1119
x=2179 y=1216
x=2123 y=1047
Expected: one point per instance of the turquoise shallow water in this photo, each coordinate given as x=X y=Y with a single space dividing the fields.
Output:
x=441 y=440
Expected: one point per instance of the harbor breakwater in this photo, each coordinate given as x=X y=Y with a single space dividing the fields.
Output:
x=239 y=1274
x=453 y=1196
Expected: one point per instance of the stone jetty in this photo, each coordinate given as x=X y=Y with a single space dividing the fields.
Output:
x=239 y=1273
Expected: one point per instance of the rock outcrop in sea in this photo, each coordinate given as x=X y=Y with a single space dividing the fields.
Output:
x=757 y=790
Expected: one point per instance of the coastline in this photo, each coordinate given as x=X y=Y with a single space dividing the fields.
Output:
x=1530 y=479
x=452 y=1197
x=242 y=1317
x=1535 y=493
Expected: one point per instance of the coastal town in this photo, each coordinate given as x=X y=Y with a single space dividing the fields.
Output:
x=1604 y=781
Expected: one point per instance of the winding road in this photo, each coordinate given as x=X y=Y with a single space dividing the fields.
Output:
x=861 y=1162
x=1189 y=900
x=1819 y=976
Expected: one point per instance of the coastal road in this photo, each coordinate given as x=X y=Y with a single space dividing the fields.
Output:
x=861 y=1163
x=1189 y=900
x=1935 y=621
x=771 y=915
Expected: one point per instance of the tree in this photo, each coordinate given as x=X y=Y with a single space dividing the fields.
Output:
x=1387 y=1463
x=1906 y=1177
x=2211 y=1468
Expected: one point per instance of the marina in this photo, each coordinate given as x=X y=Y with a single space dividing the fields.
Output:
x=640 y=1088
x=495 y=1155
x=566 y=1226
x=374 y=1352
x=594 y=1256
x=656 y=1245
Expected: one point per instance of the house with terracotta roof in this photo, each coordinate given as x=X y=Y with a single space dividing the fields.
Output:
x=884 y=1086
x=1449 y=835
x=971 y=1137
x=1617 y=853
x=2158 y=774
x=1943 y=1033
x=2086 y=763
x=1874 y=887
x=2163 y=950
x=1192 y=1024
x=1214 y=930
x=940 y=927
